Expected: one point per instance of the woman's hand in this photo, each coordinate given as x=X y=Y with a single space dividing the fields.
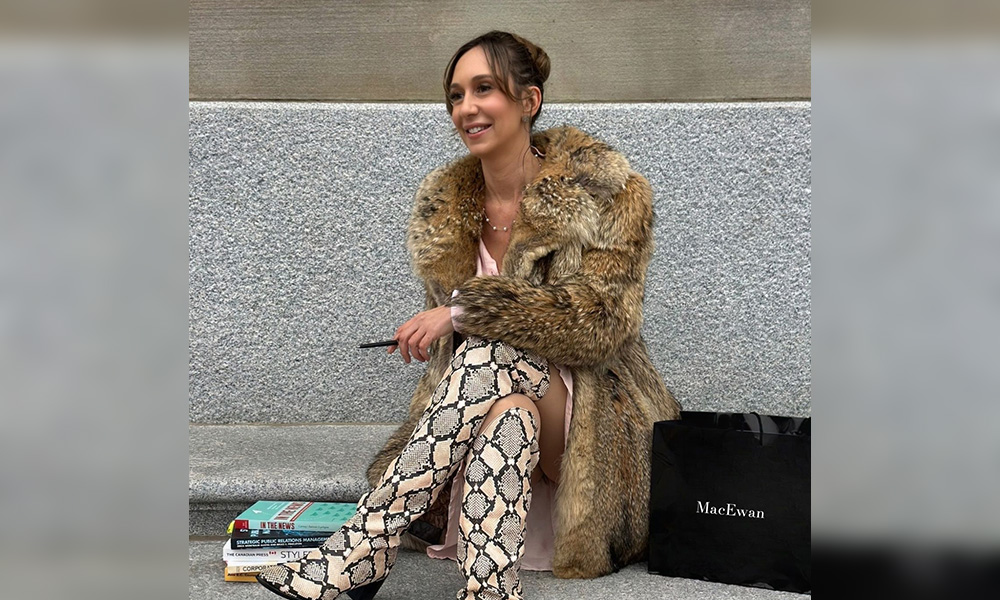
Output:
x=416 y=335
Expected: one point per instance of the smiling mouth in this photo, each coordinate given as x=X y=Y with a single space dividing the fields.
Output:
x=476 y=130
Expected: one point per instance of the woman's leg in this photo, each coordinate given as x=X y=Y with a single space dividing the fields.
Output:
x=550 y=414
x=496 y=498
x=551 y=437
x=506 y=457
x=364 y=550
x=508 y=402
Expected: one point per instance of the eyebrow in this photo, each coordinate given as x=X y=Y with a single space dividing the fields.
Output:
x=476 y=78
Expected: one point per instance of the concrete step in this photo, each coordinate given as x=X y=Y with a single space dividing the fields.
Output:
x=417 y=576
x=233 y=466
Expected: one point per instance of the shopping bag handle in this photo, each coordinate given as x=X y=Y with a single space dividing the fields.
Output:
x=760 y=427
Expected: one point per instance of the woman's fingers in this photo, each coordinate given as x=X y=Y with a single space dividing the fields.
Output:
x=410 y=340
x=415 y=338
x=425 y=345
x=404 y=349
x=402 y=336
x=396 y=337
x=416 y=346
x=392 y=349
x=416 y=351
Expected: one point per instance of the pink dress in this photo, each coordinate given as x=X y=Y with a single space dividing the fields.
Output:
x=539 y=537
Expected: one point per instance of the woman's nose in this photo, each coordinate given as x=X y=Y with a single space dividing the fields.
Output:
x=467 y=108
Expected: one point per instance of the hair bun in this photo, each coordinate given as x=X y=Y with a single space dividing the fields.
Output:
x=538 y=55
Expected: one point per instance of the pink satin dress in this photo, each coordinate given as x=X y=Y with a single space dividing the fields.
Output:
x=539 y=535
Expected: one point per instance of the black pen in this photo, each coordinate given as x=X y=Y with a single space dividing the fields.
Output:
x=379 y=344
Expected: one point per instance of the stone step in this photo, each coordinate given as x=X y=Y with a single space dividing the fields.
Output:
x=417 y=576
x=233 y=466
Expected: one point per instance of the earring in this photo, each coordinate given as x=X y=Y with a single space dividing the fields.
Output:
x=525 y=118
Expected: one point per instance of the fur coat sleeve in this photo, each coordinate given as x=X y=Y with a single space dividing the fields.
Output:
x=584 y=318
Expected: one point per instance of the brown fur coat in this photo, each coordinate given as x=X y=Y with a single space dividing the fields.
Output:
x=571 y=289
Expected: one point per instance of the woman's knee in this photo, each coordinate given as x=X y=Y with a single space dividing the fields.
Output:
x=508 y=402
x=477 y=349
x=528 y=372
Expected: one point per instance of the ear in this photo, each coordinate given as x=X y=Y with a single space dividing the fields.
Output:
x=532 y=101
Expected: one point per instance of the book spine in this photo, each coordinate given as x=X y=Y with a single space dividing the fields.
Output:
x=285 y=518
x=286 y=525
x=237 y=554
x=267 y=534
x=256 y=566
x=290 y=542
x=274 y=556
x=247 y=577
x=248 y=569
x=262 y=555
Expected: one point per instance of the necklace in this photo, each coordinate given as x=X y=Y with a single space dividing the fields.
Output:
x=537 y=154
x=494 y=226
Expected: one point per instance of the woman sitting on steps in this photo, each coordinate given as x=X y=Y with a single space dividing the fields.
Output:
x=533 y=251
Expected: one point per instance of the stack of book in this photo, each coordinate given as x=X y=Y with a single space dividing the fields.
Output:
x=274 y=532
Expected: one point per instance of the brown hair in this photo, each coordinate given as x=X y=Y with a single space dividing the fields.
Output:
x=510 y=57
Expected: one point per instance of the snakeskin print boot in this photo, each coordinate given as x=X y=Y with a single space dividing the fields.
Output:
x=356 y=560
x=495 y=503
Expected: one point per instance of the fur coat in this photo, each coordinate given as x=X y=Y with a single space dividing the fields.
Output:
x=571 y=289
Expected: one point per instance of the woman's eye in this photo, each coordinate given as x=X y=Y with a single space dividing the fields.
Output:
x=482 y=88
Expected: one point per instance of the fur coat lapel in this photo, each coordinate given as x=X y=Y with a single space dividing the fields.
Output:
x=560 y=207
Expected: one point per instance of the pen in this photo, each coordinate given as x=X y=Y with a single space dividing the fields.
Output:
x=378 y=344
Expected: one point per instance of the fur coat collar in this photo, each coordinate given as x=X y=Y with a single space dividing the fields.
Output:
x=560 y=207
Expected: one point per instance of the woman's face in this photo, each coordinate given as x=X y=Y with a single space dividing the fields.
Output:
x=477 y=101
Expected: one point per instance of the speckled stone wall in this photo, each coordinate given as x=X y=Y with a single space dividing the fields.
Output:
x=297 y=252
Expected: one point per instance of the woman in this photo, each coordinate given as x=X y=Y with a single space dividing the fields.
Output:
x=538 y=383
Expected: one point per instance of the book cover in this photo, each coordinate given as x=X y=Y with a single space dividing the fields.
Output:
x=295 y=515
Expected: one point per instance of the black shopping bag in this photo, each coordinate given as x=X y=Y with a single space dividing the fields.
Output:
x=729 y=499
